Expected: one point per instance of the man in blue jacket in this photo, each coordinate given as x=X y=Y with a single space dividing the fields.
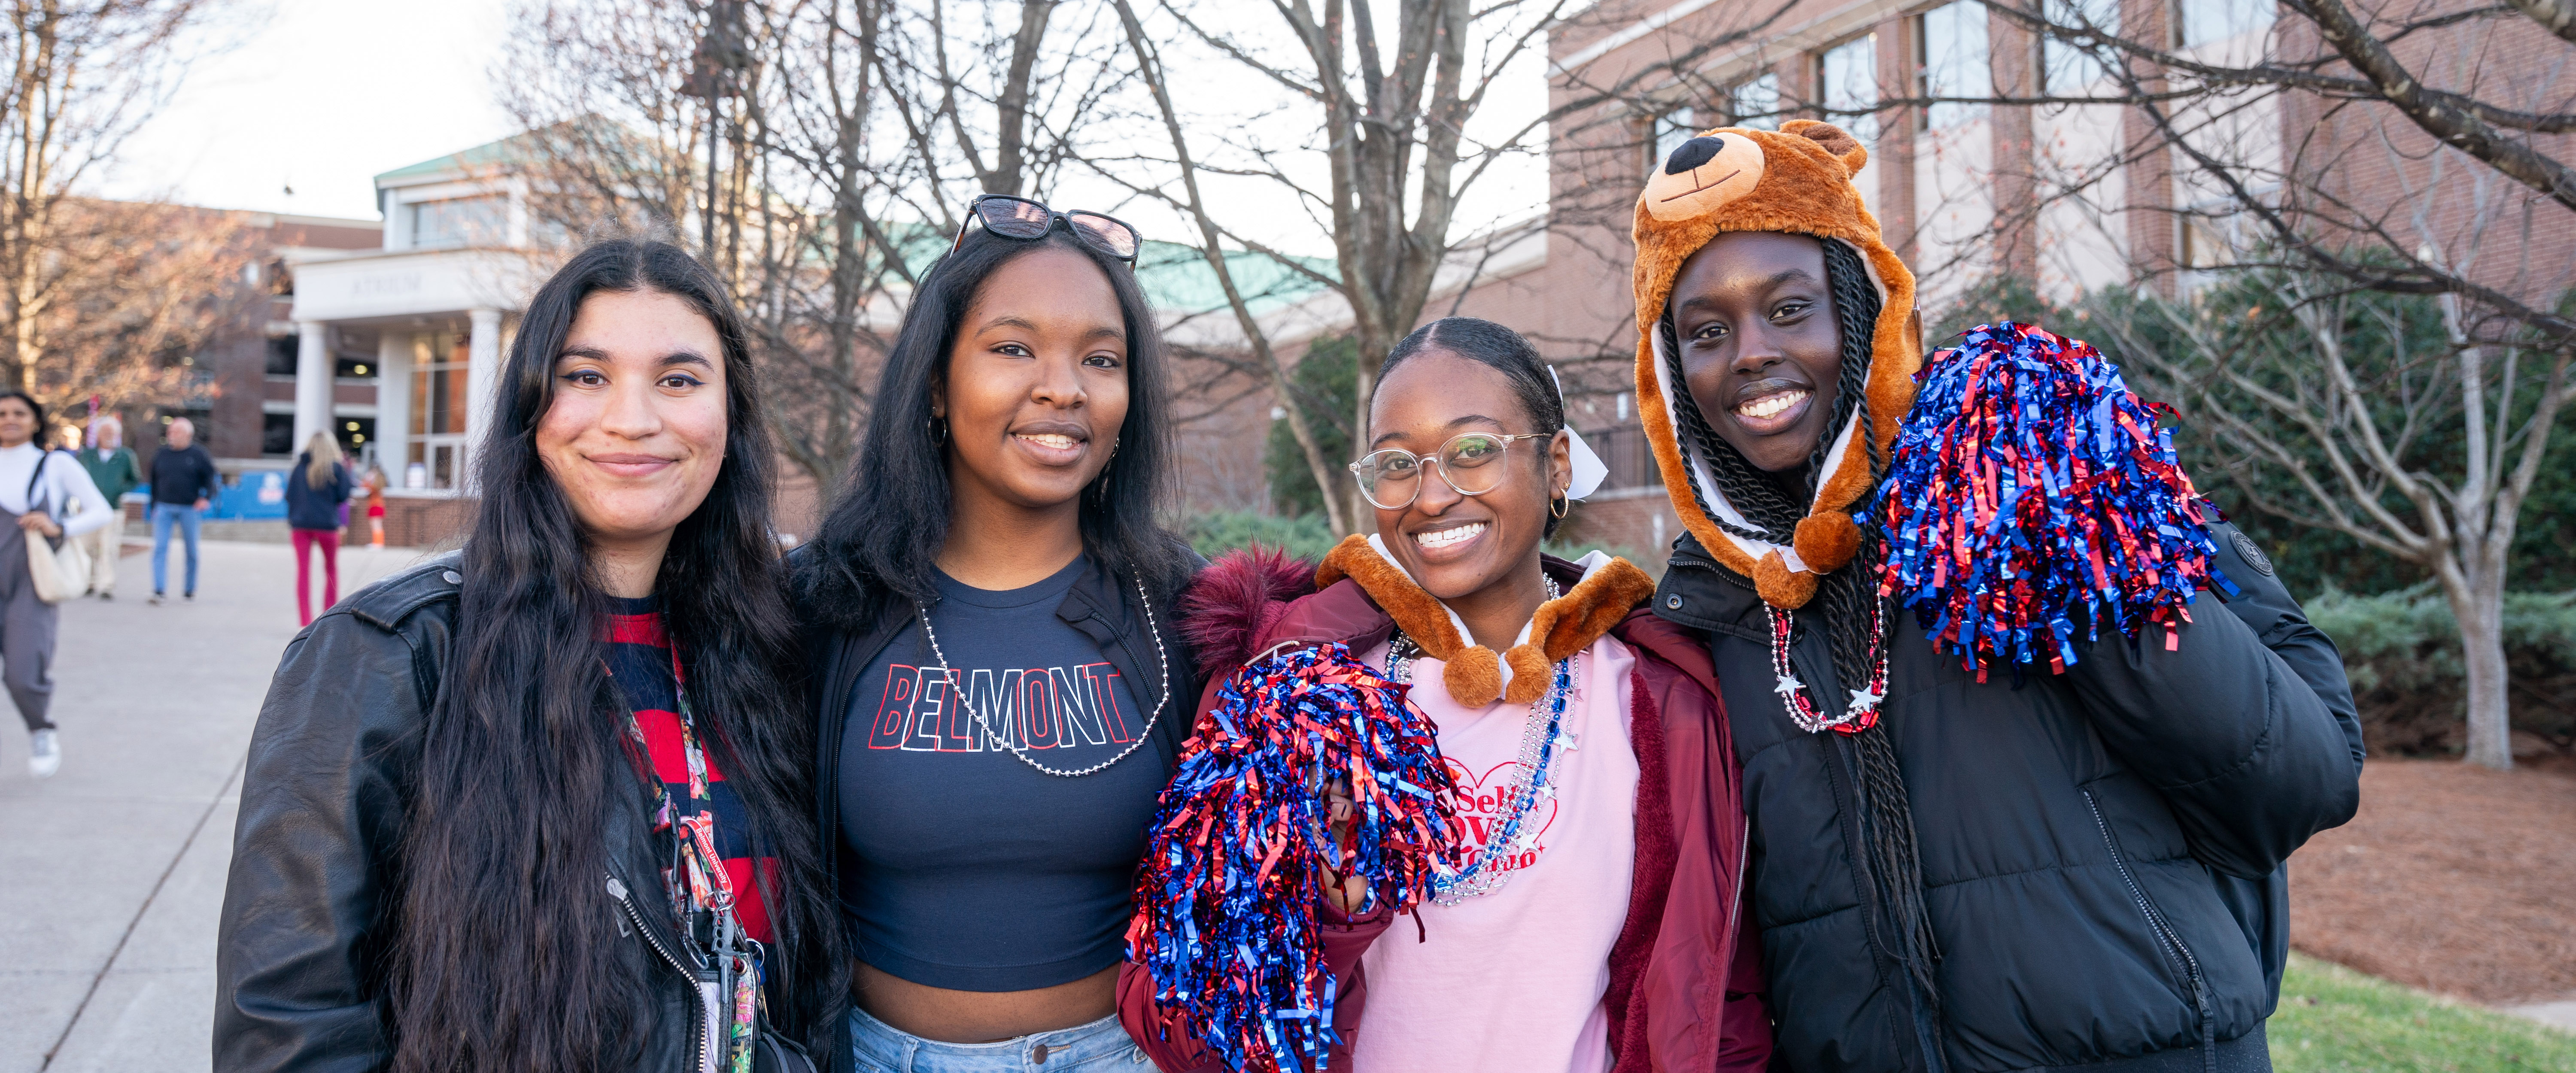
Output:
x=184 y=482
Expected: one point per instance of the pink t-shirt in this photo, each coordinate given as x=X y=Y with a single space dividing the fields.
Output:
x=1513 y=979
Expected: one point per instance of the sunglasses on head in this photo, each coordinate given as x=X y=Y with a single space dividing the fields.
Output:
x=1028 y=221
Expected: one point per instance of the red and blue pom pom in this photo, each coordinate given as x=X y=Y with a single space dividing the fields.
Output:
x=1225 y=901
x=2032 y=500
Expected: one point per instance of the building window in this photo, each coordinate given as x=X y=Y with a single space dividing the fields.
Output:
x=440 y=371
x=1755 y=102
x=1672 y=129
x=355 y=434
x=1849 y=74
x=457 y=221
x=1950 y=59
x=2202 y=246
x=2201 y=22
x=2069 y=65
x=282 y=351
x=277 y=435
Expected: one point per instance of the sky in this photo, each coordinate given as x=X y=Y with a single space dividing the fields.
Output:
x=320 y=96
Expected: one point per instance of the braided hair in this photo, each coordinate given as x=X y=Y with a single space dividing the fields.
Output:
x=1846 y=604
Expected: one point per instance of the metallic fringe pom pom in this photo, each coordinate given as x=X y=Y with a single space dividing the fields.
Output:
x=1225 y=901
x=2031 y=499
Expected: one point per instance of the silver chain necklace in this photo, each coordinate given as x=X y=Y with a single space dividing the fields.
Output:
x=957 y=686
x=1533 y=781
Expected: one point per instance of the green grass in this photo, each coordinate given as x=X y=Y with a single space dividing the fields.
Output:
x=2335 y=1020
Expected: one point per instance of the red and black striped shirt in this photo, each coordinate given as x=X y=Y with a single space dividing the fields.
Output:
x=639 y=660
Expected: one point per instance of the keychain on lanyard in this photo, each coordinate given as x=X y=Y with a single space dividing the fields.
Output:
x=703 y=893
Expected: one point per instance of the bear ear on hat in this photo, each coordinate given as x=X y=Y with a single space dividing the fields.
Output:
x=1834 y=139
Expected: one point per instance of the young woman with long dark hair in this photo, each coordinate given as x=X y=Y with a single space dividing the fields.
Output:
x=537 y=804
x=1595 y=920
x=998 y=690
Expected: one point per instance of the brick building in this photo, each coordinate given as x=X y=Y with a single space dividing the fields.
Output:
x=2071 y=197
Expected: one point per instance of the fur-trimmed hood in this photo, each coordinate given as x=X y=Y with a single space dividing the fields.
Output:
x=1604 y=591
x=1797 y=179
x=1239 y=600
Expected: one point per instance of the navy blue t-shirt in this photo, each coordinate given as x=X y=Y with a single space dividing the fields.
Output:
x=975 y=872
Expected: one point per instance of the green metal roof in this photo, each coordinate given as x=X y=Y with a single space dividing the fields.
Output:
x=1176 y=278
x=484 y=155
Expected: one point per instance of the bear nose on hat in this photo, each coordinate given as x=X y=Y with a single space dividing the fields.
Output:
x=1693 y=153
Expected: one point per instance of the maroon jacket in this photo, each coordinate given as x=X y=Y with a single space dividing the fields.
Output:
x=1685 y=973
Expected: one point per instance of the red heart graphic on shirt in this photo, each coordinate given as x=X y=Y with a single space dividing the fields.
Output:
x=1483 y=804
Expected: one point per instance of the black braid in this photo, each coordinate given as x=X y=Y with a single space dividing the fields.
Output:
x=1846 y=603
x=1856 y=306
x=1752 y=494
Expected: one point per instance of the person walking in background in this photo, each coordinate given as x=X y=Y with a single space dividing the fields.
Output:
x=375 y=506
x=317 y=502
x=111 y=466
x=183 y=483
x=35 y=486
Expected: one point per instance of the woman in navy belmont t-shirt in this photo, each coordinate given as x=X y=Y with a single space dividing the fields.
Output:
x=998 y=689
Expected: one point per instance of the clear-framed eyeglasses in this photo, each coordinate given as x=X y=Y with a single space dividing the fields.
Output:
x=1392 y=478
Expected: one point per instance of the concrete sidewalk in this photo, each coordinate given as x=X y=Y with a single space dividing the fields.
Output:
x=115 y=866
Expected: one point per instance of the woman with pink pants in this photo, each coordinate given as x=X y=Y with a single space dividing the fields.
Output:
x=316 y=489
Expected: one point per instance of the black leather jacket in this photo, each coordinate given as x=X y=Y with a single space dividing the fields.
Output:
x=303 y=937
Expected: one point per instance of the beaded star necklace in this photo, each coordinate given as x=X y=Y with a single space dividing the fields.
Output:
x=1861 y=711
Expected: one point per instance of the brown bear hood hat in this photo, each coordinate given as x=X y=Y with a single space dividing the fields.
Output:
x=1798 y=180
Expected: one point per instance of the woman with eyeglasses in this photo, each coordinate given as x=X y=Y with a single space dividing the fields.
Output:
x=1591 y=915
x=999 y=689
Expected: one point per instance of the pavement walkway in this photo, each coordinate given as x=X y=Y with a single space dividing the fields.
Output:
x=113 y=870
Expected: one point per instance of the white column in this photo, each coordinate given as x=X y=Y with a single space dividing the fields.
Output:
x=482 y=385
x=393 y=404
x=313 y=369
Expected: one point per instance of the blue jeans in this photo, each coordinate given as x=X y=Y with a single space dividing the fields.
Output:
x=1099 y=1047
x=163 y=516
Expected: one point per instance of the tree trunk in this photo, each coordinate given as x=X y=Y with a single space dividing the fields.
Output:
x=2477 y=601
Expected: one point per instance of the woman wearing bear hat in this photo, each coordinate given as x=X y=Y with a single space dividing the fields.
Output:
x=2041 y=871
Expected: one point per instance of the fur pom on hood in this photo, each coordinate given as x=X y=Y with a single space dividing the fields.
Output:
x=1234 y=600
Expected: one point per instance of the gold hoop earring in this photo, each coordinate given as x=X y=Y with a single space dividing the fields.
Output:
x=1558 y=507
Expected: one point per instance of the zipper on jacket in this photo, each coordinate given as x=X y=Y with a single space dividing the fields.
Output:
x=699 y=1020
x=2168 y=941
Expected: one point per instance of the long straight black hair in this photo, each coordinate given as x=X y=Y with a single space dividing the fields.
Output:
x=875 y=550
x=507 y=951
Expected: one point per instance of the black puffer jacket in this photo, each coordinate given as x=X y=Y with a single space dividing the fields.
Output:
x=303 y=937
x=2102 y=850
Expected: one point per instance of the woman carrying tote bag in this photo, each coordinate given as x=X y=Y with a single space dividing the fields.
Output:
x=33 y=488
